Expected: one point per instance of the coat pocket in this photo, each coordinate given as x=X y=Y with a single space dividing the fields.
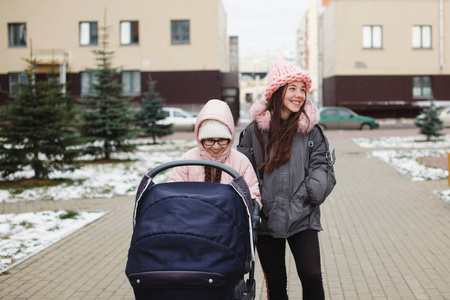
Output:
x=270 y=216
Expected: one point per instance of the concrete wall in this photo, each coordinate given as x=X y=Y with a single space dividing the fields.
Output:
x=397 y=56
x=54 y=24
x=187 y=73
x=379 y=82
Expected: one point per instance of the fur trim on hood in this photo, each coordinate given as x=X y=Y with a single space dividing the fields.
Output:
x=262 y=116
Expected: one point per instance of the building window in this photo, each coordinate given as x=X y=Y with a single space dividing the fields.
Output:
x=129 y=32
x=88 y=80
x=422 y=87
x=131 y=82
x=88 y=34
x=180 y=32
x=14 y=80
x=421 y=37
x=17 y=34
x=372 y=37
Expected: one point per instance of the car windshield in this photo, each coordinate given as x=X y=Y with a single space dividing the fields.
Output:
x=178 y=114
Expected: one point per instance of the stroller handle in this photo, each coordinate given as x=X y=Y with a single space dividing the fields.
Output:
x=192 y=162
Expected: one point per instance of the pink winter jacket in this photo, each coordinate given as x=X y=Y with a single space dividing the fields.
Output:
x=217 y=110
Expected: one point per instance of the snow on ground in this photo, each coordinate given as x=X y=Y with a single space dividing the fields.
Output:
x=22 y=235
x=405 y=154
x=104 y=180
x=414 y=142
x=408 y=162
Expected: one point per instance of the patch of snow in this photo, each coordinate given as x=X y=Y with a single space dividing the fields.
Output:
x=23 y=235
x=443 y=194
x=408 y=162
x=414 y=142
x=405 y=154
x=104 y=180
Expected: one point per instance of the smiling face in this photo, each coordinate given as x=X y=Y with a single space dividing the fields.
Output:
x=294 y=97
x=215 y=146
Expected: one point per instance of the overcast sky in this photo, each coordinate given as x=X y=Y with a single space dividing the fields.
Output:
x=264 y=25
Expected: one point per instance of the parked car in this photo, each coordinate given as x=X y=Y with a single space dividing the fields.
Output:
x=343 y=118
x=443 y=114
x=180 y=119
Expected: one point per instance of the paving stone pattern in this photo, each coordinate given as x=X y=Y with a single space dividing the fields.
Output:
x=385 y=237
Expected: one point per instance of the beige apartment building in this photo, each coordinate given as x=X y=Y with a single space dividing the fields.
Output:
x=308 y=45
x=385 y=58
x=182 y=44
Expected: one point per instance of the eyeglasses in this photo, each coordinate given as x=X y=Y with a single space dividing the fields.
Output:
x=211 y=142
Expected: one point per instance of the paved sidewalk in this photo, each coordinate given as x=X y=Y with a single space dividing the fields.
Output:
x=384 y=237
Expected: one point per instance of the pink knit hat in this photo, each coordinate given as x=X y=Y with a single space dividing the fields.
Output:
x=282 y=73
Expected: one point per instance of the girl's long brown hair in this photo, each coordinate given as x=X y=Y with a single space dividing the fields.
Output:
x=209 y=174
x=277 y=150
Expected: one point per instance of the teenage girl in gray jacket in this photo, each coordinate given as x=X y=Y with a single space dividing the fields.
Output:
x=291 y=155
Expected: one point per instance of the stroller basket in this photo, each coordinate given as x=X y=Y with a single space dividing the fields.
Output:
x=193 y=240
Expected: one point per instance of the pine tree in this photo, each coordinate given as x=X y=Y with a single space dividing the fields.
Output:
x=429 y=123
x=150 y=113
x=36 y=128
x=106 y=117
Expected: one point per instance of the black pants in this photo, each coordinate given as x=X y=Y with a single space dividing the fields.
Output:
x=305 y=249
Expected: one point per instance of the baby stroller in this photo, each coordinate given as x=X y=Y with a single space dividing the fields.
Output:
x=193 y=240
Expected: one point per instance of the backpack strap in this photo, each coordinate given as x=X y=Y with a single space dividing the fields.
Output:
x=331 y=157
x=249 y=152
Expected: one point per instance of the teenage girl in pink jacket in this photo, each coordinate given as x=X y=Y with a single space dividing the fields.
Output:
x=214 y=132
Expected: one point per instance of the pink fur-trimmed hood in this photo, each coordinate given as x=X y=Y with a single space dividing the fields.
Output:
x=262 y=117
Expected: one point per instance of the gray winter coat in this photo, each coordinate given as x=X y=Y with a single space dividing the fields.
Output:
x=291 y=194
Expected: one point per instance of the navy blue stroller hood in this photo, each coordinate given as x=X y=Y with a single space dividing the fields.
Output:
x=192 y=240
